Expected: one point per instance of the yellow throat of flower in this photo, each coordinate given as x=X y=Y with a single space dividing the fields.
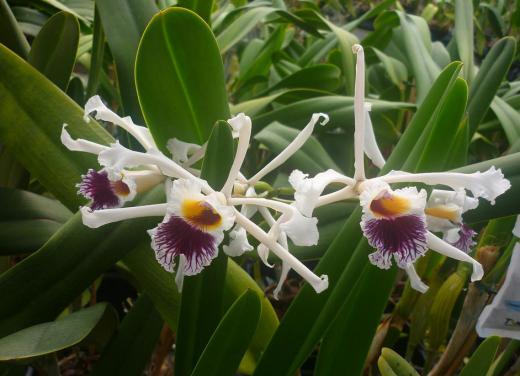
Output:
x=388 y=205
x=201 y=214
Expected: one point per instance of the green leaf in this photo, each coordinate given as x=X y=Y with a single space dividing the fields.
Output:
x=482 y=358
x=124 y=22
x=53 y=51
x=202 y=7
x=488 y=79
x=38 y=118
x=394 y=68
x=49 y=337
x=509 y=119
x=201 y=304
x=96 y=59
x=180 y=78
x=28 y=220
x=10 y=33
x=231 y=338
x=130 y=349
x=312 y=158
x=464 y=36
x=320 y=77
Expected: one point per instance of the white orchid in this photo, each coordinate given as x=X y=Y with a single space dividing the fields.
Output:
x=397 y=223
x=195 y=215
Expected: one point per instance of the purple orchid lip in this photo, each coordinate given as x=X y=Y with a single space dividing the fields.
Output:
x=466 y=238
x=175 y=237
x=104 y=193
x=403 y=237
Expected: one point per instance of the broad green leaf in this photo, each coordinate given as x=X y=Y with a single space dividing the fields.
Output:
x=28 y=220
x=488 y=79
x=12 y=173
x=202 y=7
x=180 y=78
x=464 y=36
x=49 y=337
x=231 y=338
x=312 y=158
x=38 y=120
x=96 y=58
x=290 y=346
x=123 y=23
x=130 y=349
x=201 y=304
x=53 y=51
x=482 y=358
x=10 y=33
x=61 y=6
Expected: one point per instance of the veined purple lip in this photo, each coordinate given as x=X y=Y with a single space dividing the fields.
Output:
x=466 y=239
x=403 y=237
x=176 y=237
x=104 y=193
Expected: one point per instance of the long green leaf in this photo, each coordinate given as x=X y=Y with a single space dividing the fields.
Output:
x=201 y=304
x=124 y=22
x=49 y=337
x=231 y=338
x=180 y=78
x=10 y=33
x=482 y=358
x=464 y=35
x=53 y=51
x=488 y=79
x=202 y=7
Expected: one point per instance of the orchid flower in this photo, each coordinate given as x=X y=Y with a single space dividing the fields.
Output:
x=399 y=223
x=195 y=215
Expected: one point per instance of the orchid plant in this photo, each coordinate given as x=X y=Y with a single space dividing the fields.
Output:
x=398 y=223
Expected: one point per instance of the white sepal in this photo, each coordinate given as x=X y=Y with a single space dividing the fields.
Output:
x=80 y=144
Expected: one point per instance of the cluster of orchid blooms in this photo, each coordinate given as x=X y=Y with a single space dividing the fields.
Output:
x=398 y=223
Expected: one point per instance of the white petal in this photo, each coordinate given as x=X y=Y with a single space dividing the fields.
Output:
x=263 y=253
x=181 y=150
x=318 y=283
x=292 y=148
x=301 y=230
x=488 y=184
x=238 y=122
x=243 y=125
x=516 y=229
x=446 y=249
x=371 y=148
x=308 y=190
x=227 y=213
x=238 y=244
x=359 y=113
x=80 y=144
x=144 y=179
x=141 y=134
x=97 y=218
x=179 y=276
x=286 y=268
x=415 y=280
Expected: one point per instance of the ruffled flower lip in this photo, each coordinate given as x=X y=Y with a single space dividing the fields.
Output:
x=175 y=237
x=103 y=192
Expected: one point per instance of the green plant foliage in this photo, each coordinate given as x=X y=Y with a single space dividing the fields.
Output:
x=53 y=51
x=90 y=325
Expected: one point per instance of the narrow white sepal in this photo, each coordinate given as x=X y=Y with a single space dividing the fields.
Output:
x=292 y=148
x=283 y=276
x=415 y=280
x=238 y=243
x=319 y=284
x=440 y=246
x=96 y=218
x=80 y=144
x=179 y=276
x=359 y=113
x=371 y=148
x=141 y=134
x=181 y=150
